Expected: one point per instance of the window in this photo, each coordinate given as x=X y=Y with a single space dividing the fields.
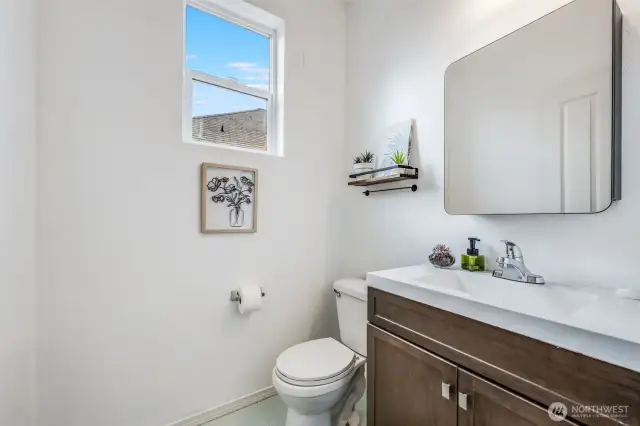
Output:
x=233 y=76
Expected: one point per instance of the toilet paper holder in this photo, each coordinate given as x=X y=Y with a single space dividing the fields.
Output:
x=235 y=295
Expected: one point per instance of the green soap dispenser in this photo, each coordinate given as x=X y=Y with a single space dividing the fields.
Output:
x=472 y=261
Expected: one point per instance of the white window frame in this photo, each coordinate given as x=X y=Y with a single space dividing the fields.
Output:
x=245 y=15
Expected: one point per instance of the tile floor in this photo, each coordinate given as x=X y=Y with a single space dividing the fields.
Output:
x=270 y=412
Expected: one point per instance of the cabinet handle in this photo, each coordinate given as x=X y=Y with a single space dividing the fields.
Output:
x=462 y=400
x=446 y=390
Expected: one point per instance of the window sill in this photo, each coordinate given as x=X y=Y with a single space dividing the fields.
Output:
x=232 y=148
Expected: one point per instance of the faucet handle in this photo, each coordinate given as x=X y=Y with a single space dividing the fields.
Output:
x=513 y=251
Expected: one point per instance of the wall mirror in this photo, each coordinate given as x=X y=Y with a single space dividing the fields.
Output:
x=532 y=121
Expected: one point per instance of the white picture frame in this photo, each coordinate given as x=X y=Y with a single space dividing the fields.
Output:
x=229 y=196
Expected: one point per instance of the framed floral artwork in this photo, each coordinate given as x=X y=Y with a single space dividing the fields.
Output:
x=229 y=199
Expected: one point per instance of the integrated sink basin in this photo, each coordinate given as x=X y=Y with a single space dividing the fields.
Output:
x=511 y=295
x=594 y=323
x=450 y=280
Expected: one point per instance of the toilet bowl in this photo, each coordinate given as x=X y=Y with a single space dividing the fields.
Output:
x=320 y=381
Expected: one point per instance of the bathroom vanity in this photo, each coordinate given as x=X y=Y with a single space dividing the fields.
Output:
x=452 y=347
x=532 y=125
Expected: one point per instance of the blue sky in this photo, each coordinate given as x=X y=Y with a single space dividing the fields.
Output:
x=223 y=49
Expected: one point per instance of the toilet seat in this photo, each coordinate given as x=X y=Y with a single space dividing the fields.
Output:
x=315 y=363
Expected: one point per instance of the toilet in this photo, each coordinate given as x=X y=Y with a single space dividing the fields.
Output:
x=320 y=381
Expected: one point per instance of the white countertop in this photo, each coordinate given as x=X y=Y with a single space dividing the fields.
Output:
x=592 y=323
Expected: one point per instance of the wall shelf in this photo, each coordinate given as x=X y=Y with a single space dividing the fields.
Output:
x=365 y=179
x=382 y=179
x=408 y=173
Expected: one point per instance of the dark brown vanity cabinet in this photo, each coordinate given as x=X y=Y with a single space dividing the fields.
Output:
x=428 y=367
x=412 y=386
x=486 y=404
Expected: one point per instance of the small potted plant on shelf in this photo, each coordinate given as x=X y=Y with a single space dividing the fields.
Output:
x=363 y=162
x=399 y=158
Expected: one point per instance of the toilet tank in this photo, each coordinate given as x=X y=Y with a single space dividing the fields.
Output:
x=351 y=301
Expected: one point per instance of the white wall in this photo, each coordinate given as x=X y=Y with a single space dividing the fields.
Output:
x=17 y=212
x=136 y=325
x=397 y=55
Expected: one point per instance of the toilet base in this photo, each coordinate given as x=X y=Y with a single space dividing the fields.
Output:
x=296 y=419
x=354 y=420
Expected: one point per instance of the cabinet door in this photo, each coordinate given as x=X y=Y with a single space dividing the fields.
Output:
x=481 y=403
x=407 y=386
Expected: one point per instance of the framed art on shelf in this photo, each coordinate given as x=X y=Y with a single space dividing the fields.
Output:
x=229 y=199
x=397 y=147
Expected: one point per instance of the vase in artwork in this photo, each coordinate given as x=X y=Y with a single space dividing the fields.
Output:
x=236 y=217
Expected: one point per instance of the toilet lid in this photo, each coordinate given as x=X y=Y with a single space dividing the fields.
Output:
x=315 y=360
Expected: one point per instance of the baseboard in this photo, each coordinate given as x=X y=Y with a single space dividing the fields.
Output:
x=228 y=408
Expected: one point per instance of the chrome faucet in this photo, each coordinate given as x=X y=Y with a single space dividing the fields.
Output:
x=513 y=267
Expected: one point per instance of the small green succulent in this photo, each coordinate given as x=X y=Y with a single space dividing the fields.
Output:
x=367 y=157
x=398 y=157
